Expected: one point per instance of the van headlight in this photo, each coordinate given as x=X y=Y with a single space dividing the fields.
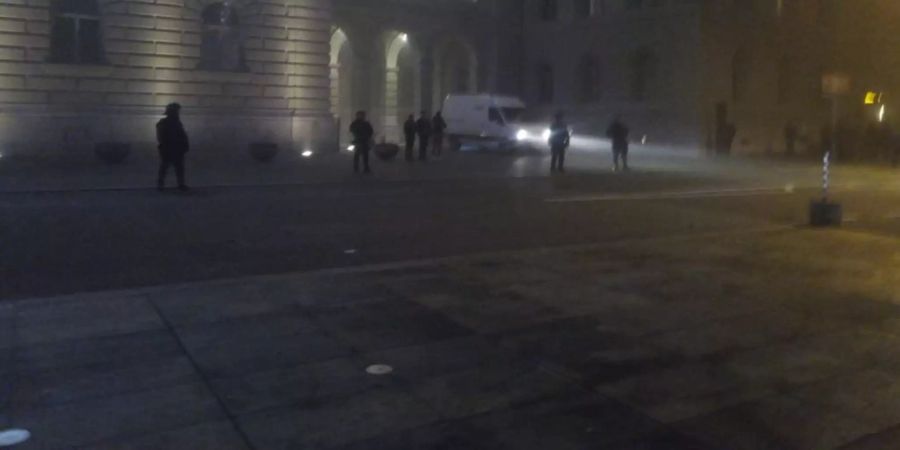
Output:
x=522 y=135
x=546 y=135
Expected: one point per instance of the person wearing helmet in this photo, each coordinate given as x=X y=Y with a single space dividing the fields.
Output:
x=173 y=145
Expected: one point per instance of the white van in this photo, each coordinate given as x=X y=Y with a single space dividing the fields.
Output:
x=486 y=117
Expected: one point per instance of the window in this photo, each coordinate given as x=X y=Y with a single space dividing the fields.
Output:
x=584 y=8
x=643 y=74
x=588 y=79
x=220 y=48
x=784 y=81
x=75 y=36
x=494 y=116
x=545 y=84
x=549 y=10
x=740 y=75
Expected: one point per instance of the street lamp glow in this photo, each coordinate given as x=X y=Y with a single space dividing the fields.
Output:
x=351 y=148
x=546 y=134
x=404 y=37
x=306 y=153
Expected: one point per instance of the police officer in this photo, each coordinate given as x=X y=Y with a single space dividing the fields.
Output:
x=618 y=134
x=423 y=128
x=559 y=142
x=409 y=132
x=362 y=133
x=439 y=126
x=173 y=145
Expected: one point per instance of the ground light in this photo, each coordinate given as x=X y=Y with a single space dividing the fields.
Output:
x=379 y=369
x=14 y=436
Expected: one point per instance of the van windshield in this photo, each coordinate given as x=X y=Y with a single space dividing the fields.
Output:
x=512 y=114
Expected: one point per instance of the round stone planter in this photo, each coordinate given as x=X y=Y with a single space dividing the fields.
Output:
x=112 y=152
x=263 y=151
x=387 y=152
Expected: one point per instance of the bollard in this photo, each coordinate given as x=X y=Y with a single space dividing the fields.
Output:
x=825 y=213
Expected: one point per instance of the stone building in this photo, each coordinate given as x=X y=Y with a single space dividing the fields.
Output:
x=677 y=70
x=74 y=73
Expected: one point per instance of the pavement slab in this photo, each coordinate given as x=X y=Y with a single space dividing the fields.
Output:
x=218 y=435
x=338 y=422
x=82 y=423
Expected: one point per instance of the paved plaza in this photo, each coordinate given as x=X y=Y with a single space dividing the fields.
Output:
x=730 y=341
x=681 y=306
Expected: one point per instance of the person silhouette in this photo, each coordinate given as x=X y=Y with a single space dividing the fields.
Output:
x=423 y=128
x=559 y=142
x=173 y=145
x=409 y=132
x=362 y=133
x=618 y=133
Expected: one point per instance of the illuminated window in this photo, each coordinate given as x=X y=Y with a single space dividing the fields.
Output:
x=221 y=47
x=75 y=36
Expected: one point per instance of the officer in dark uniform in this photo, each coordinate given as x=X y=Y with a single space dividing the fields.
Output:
x=438 y=126
x=362 y=133
x=423 y=128
x=409 y=132
x=173 y=145
x=559 y=142
x=618 y=134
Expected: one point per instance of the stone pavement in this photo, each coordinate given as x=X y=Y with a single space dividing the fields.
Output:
x=778 y=339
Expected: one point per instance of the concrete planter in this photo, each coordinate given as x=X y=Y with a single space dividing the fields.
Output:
x=112 y=152
x=823 y=213
x=387 y=152
x=263 y=151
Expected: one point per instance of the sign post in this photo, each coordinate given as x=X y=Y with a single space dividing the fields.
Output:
x=824 y=212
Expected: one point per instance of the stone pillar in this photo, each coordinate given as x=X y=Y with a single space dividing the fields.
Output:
x=426 y=71
x=391 y=100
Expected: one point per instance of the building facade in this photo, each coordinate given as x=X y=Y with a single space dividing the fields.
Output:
x=75 y=73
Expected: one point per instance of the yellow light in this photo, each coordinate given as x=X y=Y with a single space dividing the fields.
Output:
x=872 y=98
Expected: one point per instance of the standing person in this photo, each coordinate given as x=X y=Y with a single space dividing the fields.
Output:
x=790 y=138
x=618 y=133
x=439 y=125
x=173 y=145
x=423 y=128
x=409 y=132
x=559 y=142
x=362 y=133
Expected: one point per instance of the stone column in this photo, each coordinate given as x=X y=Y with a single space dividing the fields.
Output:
x=426 y=77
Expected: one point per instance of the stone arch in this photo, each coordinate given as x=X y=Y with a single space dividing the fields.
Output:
x=455 y=69
x=402 y=81
x=341 y=79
